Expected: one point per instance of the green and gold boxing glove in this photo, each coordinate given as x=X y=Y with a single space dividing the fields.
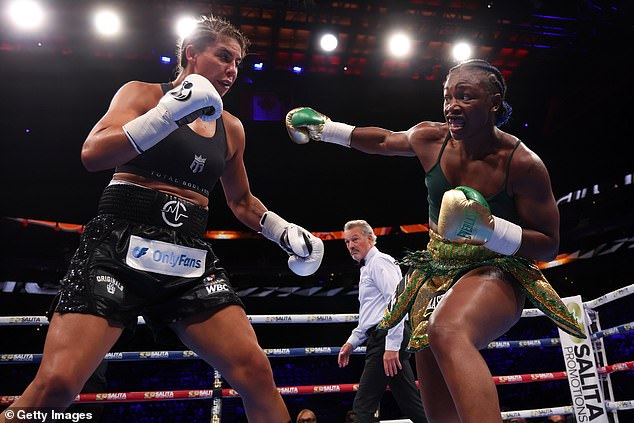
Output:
x=465 y=218
x=304 y=124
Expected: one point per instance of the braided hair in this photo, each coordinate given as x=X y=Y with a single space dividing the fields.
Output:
x=496 y=83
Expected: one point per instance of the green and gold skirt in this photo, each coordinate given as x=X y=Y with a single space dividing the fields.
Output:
x=433 y=271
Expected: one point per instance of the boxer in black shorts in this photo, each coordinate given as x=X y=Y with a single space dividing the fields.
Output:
x=100 y=281
x=144 y=254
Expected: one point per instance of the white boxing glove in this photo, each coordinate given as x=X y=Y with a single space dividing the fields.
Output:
x=194 y=98
x=305 y=250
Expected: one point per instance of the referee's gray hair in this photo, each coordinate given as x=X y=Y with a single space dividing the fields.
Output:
x=365 y=228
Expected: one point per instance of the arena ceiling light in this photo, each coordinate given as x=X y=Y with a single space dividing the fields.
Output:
x=185 y=25
x=26 y=14
x=399 y=44
x=328 y=42
x=107 y=22
x=461 y=51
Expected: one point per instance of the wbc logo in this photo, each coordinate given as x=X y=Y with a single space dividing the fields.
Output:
x=198 y=164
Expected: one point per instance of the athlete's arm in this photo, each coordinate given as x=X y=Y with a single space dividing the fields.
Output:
x=195 y=97
x=381 y=141
x=536 y=206
x=304 y=249
x=235 y=182
x=304 y=124
x=107 y=145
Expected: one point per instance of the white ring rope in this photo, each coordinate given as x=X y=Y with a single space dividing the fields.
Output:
x=323 y=318
x=611 y=296
x=303 y=351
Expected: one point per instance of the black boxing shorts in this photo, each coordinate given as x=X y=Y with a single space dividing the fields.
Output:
x=143 y=255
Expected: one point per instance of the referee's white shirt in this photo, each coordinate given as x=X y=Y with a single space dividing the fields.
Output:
x=379 y=278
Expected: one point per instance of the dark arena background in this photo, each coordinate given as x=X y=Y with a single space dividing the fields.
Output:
x=570 y=85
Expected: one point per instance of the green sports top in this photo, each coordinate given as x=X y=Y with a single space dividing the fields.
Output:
x=501 y=204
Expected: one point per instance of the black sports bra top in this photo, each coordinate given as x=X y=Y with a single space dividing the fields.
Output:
x=183 y=158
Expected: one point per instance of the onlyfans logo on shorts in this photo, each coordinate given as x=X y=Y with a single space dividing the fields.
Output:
x=172 y=212
x=165 y=258
x=139 y=251
x=173 y=259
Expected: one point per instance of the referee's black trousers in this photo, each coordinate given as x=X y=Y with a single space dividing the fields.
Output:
x=374 y=381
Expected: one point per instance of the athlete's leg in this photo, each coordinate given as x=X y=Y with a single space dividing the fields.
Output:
x=478 y=309
x=439 y=406
x=75 y=345
x=226 y=340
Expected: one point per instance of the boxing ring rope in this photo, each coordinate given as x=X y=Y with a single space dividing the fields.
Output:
x=308 y=389
x=167 y=395
x=218 y=393
x=127 y=356
x=325 y=318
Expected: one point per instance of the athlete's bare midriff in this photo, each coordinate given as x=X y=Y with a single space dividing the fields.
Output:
x=185 y=194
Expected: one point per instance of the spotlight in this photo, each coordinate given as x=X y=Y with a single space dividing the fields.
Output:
x=258 y=66
x=328 y=42
x=400 y=44
x=166 y=60
x=297 y=69
x=184 y=26
x=107 y=22
x=461 y=51
x=26 y=14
